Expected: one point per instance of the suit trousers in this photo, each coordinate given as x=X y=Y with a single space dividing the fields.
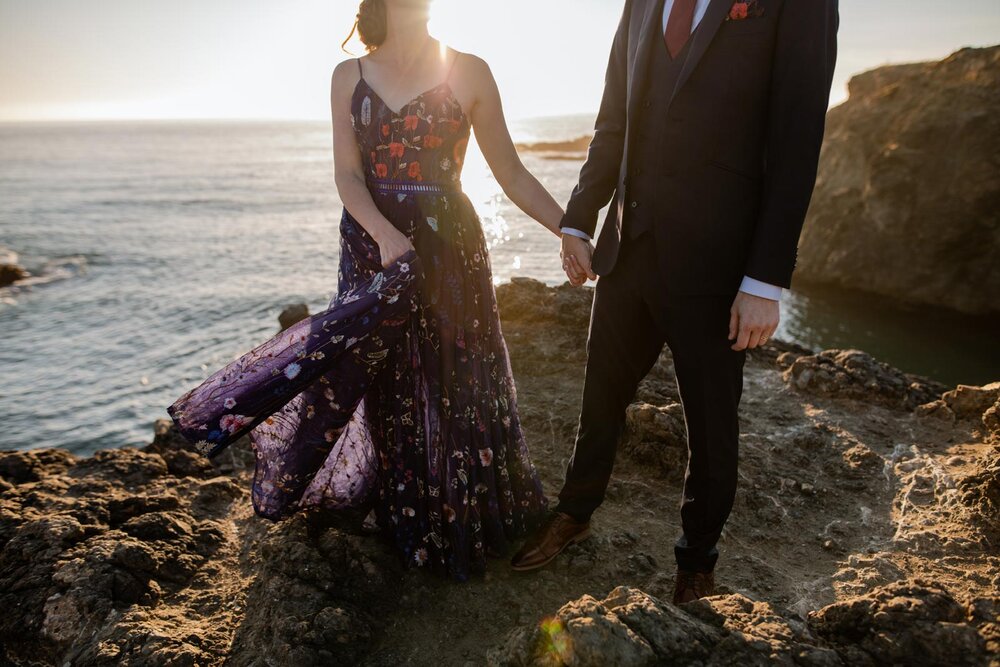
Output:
x=631 y=319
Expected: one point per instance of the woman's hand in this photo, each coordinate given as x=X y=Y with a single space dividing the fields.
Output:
x=393 y=245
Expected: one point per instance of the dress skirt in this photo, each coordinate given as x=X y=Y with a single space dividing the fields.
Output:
x=398 y=397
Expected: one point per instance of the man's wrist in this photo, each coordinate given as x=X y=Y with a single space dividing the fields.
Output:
x=571 y=231
x=761 y=289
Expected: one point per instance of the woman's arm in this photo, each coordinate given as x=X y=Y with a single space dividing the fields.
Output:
x=494 y=139
x=349 y=172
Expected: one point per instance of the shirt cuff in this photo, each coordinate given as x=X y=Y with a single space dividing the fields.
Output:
x=760 y=288
x=575 y=232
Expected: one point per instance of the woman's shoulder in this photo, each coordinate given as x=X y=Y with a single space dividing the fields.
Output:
x=469 y=62
x=470 y=70
x=346 y=74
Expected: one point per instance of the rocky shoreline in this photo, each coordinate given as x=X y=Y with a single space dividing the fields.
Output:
x=865 y=531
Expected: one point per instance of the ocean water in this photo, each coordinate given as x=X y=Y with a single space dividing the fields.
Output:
x=167 y=249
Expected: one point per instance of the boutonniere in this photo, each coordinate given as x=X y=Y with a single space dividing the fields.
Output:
x=744 y=9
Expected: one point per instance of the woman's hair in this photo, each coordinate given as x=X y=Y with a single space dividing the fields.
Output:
x=371 y=24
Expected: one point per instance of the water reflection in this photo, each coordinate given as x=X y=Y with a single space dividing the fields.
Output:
x=934 y=342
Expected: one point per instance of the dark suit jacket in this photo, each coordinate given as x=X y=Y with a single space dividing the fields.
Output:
x=744 y=130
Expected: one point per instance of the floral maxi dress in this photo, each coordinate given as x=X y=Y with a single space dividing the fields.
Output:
x=399 y=396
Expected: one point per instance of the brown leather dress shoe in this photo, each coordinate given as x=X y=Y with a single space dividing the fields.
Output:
x=558 y=532
x=690 y=585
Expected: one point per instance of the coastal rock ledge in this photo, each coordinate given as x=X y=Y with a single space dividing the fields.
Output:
x=865 y=532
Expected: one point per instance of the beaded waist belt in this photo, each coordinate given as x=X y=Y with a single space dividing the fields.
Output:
x=405 y=186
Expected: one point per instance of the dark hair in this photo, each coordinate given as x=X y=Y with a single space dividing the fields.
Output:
x=370 y=25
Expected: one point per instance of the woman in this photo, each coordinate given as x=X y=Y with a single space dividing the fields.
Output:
x=400 y=394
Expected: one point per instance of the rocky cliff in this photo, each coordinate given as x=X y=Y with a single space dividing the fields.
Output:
x=907 y=203
x=865 y=531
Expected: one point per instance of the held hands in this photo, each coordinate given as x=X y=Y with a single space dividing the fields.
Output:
x=393 y=245
x=752 y=320
x=576 y=255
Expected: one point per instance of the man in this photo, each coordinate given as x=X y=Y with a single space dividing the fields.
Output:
x=706 y=143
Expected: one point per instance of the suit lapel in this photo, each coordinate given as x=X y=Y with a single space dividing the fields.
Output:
x=710 y=22
x=648 y=33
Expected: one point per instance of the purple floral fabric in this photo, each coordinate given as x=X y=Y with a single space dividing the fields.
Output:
x=399 y=396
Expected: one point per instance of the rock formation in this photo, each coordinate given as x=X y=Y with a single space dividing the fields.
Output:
x=907 y=203
x=10 y=270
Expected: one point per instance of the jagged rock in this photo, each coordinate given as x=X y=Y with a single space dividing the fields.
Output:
x=912 y=623
x=980 y=491
x=991 y=420
x=530 y=300
x=308 y=603
x=630 y=628
x=89 y=542
x=657 y=435
x=292 y=314
x=970 y=402
x=907 y=202
x=857 y=375
x=11 y=273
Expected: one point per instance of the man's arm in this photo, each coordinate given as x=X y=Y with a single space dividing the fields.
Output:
x=599 y=175
x=802 y=73
x=749 y=285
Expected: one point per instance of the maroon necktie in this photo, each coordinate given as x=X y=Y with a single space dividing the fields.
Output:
x=679 y=26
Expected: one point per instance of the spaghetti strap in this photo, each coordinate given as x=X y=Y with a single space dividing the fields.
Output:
x=453 y=61
x=360 y=71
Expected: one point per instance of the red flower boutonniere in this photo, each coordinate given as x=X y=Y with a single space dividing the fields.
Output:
x=744 y=9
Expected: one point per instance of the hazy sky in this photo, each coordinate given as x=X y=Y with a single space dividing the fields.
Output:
x=272 y=59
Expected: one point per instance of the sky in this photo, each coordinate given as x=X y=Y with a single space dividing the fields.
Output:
x=116 y=59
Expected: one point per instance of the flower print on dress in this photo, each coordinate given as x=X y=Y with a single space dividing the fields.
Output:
x=407 y=369
x=366 y=112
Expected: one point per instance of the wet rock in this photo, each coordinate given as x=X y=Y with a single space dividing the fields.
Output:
x=11 y=273
x=292 y=314
x=857 y=375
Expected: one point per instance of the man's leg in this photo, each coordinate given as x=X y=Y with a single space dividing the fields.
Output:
x=710 y=382
x=622 y=345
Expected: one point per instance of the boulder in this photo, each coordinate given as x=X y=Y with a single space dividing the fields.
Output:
x=907 y=202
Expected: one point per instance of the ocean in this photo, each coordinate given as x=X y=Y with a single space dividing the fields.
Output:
x=167 y=249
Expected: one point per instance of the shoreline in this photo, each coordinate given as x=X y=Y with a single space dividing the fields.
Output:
x=860 y=485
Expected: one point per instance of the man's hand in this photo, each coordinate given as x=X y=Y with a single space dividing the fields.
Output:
x=576 y=254
x=752 y=320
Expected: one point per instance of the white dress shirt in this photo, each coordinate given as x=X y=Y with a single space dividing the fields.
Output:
x=749 y=285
